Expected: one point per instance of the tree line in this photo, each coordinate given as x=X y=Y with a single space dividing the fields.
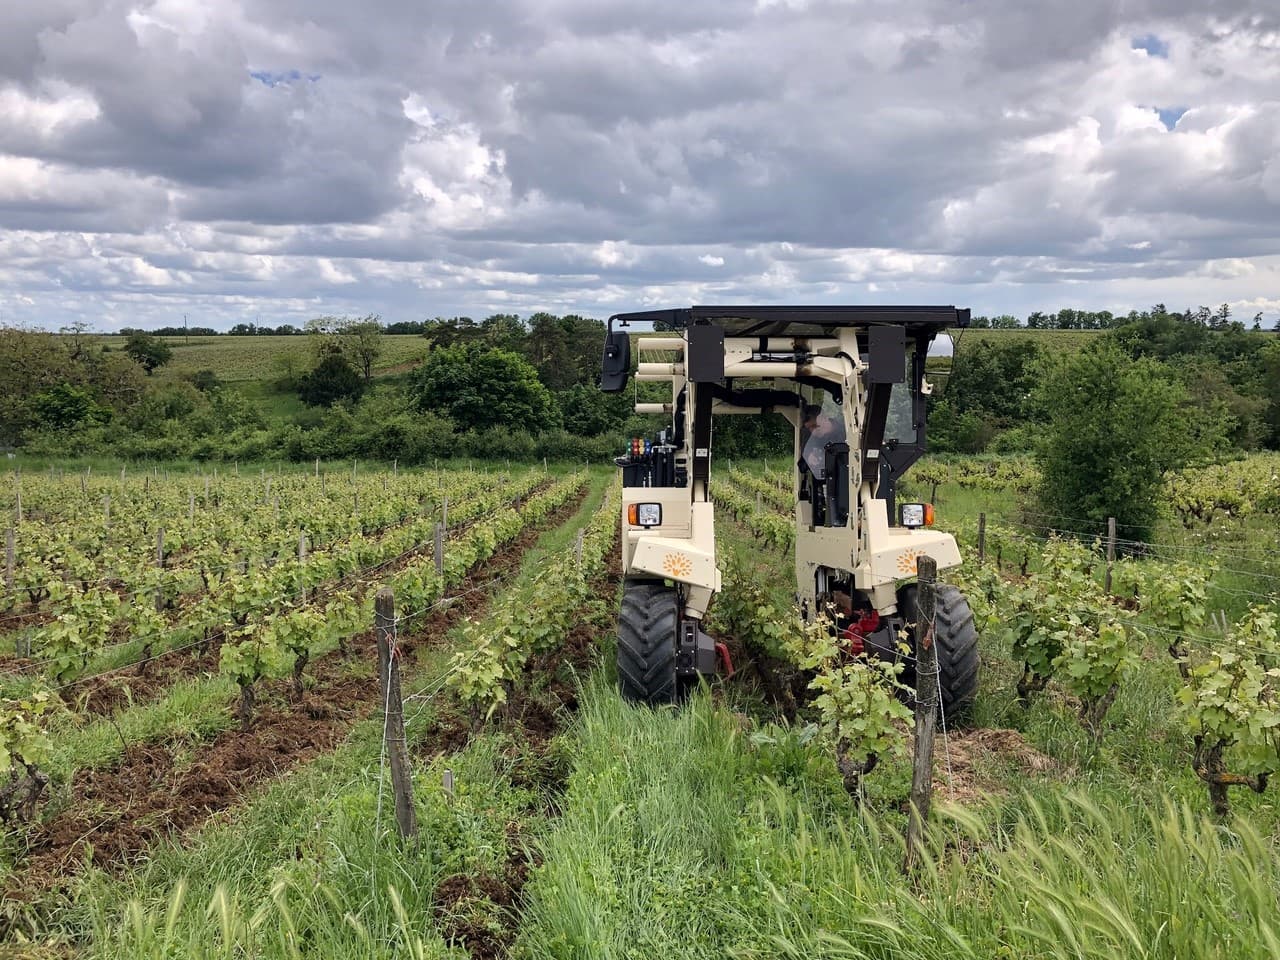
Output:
x=1072 y=319
x=527 y=387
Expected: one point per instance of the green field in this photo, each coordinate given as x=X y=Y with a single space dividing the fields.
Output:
x=239 y=359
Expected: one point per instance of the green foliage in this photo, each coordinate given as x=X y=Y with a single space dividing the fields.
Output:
x=65 y=406
x=988 y=390
x=563 y=350
x=534 y=618
x=588 y=412
x=23 y=740
x=205 y=380
x=58 y=370
x=147 y=351
x=766 y=524
x=1115 y=428
x=1092 y=663
x=478 y=387
x=858 y=704
x=1231 y=704
x=749 y=609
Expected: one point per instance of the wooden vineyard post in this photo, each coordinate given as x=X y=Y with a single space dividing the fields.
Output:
x=22 y=645
x=106 y=511
x=926 y=710
x=982 y=538
x=317 y=466
x=1111 y=550
x=439 y=550
x=389 y=677
x=159 y=599
x=577 y=547
x=302 y=559
x=444 y=514
x=191 y=506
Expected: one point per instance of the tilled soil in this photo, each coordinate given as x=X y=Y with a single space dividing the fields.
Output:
x=150 y=794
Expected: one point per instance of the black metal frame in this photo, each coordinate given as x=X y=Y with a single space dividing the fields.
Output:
x=776 y=321
x=920 y=324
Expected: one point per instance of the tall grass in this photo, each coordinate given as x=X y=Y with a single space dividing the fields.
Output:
x=685 y=836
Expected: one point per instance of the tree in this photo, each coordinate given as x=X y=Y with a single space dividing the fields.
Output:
x=504 y=331
x=995 y=379
x=363 y=341
x=332 y=379
x=151 y=352
x=1114 y=428
x=479 y=387
x=359 y=340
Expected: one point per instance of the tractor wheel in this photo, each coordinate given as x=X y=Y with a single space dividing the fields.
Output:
x=956 y=638
x=647 y=642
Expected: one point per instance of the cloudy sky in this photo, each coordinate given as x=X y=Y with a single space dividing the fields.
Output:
x=280 y=159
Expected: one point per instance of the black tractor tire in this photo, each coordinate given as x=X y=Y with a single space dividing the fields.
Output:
x=956 y=639
x=647 y=642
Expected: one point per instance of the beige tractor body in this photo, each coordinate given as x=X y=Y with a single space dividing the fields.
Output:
x=850 y=381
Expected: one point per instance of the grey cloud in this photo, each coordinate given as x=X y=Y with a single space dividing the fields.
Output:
x=862 y=134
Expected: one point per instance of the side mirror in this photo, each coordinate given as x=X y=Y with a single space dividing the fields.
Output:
x=615 y=367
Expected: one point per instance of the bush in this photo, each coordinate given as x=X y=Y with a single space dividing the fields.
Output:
x=951 y=430
x=66 y=406
x=332 y=379
x=205 y=381
x=148 y=351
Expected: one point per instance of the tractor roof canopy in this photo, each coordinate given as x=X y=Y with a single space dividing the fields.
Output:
x=799 y=321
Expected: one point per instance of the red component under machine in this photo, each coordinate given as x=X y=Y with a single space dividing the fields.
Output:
x=857 y=632
x=726 y=661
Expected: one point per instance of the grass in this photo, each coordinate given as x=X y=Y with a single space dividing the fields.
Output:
x=686 y=834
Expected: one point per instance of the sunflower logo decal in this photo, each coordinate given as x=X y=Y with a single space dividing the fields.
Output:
x=677 y=565
x=907 y=561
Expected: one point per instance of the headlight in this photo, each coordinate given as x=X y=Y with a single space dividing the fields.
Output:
x=644 y=514
x=916 y=514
